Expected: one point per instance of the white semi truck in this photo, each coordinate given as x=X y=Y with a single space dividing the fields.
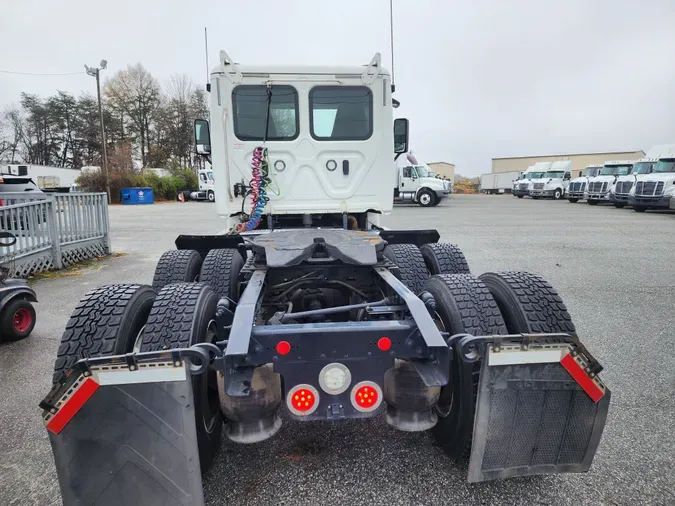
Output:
x=555 y=181
x=415 y=182
x=534 y=172
x=48 y=179
x=655 y=189
x=576 y=190
x=498 y=182
x=625 y=185
x=601 y=187
x=308 y=310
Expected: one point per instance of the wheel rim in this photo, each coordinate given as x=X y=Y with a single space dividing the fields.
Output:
x=425 y=199
x=212 y=197
x=22 y=320
x=557 y=194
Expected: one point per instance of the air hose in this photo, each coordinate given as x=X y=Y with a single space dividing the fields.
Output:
x=261 y=179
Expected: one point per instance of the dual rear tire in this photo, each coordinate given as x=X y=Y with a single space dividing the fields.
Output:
x=491 y=304
x=174 y=313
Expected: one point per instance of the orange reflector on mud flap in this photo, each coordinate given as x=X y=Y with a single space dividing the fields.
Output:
x=72 y=406
x=591 y=386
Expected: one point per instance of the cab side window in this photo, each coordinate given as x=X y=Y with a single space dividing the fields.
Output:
x=407 y=172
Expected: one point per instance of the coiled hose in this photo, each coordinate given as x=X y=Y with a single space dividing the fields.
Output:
x=260 y=181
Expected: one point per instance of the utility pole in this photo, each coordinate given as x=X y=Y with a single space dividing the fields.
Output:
x=94 y=72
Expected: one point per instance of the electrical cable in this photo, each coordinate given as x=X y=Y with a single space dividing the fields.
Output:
x=260 y=178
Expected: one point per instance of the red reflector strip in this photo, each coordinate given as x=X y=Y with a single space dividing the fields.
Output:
x=72 y=406
x=585 y=382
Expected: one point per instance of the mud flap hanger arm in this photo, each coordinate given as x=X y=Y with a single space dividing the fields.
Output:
x=472 y=348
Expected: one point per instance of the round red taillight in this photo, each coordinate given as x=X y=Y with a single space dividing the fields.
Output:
x=384 y=343
x=283 y=347
x=302 y=400
x=366 y=396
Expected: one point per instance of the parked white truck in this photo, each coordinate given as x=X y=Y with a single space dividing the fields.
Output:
x=576 y=191
x=602 y=186
x=657 y=189
x=625 y=185
x=207 y=186
x=416 y=183
x=555 y=181
x=498 y=182
x=536 y=171
x=49 y=179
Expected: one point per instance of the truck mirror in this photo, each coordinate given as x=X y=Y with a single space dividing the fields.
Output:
x=202 y=137
x=400 y=135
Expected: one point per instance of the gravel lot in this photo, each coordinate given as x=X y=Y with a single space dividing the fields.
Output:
x=615 y=269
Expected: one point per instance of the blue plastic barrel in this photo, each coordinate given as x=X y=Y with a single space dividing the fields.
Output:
x=135 y=196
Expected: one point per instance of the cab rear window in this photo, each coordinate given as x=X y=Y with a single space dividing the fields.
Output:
x=341 y=113
x=249 y=104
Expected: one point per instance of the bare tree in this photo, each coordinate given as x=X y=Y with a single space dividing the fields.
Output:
x=136 y=93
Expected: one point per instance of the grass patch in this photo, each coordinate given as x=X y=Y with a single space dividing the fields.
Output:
x=75 y=270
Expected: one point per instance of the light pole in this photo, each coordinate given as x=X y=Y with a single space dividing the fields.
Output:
x=94 y=72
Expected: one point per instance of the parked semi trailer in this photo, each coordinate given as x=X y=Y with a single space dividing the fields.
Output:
x=498 y=182
x=308 y=305
x=49 y=179
x=578 y=187
x=555 y=181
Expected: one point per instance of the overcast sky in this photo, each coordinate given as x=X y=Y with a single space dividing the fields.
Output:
x=477 y=78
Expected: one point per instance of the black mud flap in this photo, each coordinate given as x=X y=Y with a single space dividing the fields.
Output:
x=534 y=418
x=132 y=444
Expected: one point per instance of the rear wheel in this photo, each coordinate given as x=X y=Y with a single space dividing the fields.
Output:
x=639 y=209
x=425 y=198
x=463 y=305
x=411 y=269
x=528 y=303
x=183 y=315
x=441 y=258
x=619 y=205
x=17 y=320
x=573 y=201
x=520 y=196
x=220 y=271
x=107 y=321
x=176 y=266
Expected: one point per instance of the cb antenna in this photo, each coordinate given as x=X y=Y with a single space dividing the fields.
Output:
x=391 y=40
x=206 y=57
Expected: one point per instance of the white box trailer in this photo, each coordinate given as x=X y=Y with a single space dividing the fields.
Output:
x=55 y=179
x=498 y=182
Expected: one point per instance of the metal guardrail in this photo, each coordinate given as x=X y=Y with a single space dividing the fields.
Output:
x=53 y=230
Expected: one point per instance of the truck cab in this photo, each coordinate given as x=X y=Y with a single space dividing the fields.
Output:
x=578 y=186
x=601 y=187
x=521 y=185
x=625 y=185
x=655 y=190
x=416 y=183
x=555 y=181
x=312 y=145
x=207 y=186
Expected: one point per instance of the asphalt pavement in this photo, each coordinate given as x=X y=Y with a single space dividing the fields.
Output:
x=614 y=268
